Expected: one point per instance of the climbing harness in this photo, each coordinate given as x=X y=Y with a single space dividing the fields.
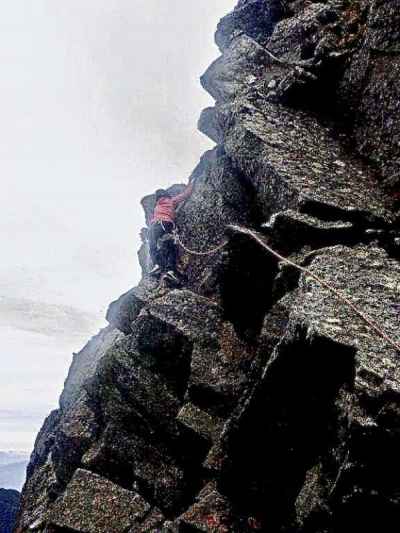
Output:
x=371 y=323
x=163 y=227
x=162 y=240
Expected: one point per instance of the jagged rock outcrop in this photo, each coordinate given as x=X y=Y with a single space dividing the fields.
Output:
x=84 y=364
x=253 y=398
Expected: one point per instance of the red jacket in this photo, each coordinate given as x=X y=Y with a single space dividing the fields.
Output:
x=165 y=207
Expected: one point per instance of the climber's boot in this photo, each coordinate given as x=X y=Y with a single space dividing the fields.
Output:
x=172 y=276
x=155 y=270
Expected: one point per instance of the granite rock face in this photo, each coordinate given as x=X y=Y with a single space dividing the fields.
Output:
x=369 y=90
x=85 y=362
x=253 y=397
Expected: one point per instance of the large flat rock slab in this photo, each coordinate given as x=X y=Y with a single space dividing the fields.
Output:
x=218 y=359
x=119 y=450
x=371 y=281
x=125 y=386
x=197 y=317
x=294 y=162
x=92 y=504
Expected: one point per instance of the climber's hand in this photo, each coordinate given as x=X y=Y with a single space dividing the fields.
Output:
x=144 y=232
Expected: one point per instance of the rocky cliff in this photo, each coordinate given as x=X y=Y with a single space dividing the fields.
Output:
x=253 y=398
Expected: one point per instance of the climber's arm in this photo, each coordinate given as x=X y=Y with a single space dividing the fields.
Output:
x=183 y=196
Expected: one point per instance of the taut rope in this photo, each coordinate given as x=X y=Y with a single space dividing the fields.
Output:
x=365 y=318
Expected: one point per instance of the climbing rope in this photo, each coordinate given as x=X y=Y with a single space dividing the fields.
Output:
x=369 y=321
x=192 y=252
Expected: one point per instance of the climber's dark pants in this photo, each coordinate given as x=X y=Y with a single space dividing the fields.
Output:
x=162 y=250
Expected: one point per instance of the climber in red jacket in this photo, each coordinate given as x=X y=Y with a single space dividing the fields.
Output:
x=164 y=254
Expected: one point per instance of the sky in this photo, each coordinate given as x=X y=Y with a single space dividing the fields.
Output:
x=99 y=101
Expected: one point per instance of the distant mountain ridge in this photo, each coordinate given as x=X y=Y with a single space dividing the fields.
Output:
x=9 y=503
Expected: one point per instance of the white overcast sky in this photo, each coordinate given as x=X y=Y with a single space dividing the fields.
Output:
x=99 y=101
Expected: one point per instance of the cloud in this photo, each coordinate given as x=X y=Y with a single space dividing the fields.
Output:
x=47 y=319
x=99 y=105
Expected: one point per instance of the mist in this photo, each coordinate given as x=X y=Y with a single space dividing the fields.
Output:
x=99 y=103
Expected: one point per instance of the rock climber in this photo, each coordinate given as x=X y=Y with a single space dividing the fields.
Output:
x=163 y=250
